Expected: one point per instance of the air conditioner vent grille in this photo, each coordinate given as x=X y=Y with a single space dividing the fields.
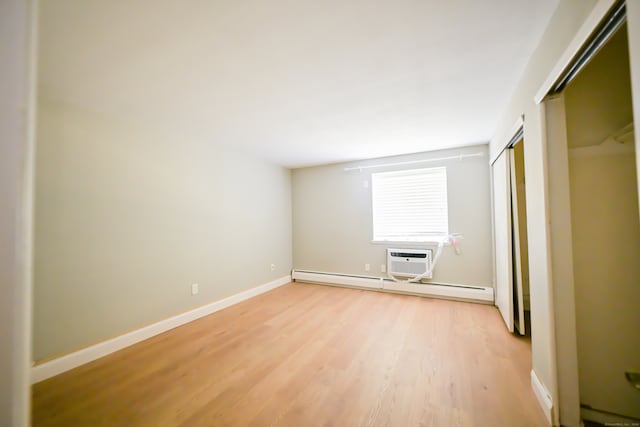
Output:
x=413 y=269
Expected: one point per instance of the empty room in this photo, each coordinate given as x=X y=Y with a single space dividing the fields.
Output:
x=408 y=213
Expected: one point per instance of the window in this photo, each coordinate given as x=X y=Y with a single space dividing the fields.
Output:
x=410 y=206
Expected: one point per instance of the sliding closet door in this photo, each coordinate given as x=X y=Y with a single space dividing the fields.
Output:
x=503 y=237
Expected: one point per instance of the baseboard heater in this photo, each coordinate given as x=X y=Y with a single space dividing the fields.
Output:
x=483 y=294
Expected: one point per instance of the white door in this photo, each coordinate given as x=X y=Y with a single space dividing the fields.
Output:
x=503 y=235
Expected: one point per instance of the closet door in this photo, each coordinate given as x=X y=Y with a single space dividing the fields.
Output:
x=503 y=237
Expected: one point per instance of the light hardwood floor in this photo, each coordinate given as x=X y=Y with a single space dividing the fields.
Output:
x=309 y=355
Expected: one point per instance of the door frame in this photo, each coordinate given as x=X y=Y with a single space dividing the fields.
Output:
x=561 y=247
x=565 y=361
x=633 y=32
x=513 y=137
x=17 y=130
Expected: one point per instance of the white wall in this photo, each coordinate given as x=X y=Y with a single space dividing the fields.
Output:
x=16 y=86
x=563 y=26
x=127 y=219
x=332 y=229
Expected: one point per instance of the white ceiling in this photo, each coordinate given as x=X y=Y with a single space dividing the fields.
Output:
x=298 y=82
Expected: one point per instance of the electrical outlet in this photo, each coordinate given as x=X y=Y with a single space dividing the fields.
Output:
x=194 y=289
x=383 y=268
x=273 y=267
x=367 y=267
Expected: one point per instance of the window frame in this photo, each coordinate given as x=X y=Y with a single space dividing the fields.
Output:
x=427 y=238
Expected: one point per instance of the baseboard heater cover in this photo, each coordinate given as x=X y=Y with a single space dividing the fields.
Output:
x=443 y=290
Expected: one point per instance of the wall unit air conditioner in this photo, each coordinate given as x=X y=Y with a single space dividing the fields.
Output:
x=409 y=262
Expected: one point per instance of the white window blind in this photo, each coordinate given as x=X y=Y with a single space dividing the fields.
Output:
x=410 y=206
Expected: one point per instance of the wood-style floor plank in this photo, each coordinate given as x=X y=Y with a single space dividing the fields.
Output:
x=309 y=355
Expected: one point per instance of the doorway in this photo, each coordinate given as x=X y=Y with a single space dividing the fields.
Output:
x=605 y=231
x=511 y=243
x=591 y=139
x=521 y=302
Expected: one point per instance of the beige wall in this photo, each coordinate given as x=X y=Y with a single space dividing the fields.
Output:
x=606 y=249
x=563 y=26
x=16 y=147
x=332 y=229
x=127 y=219
x=598 y=100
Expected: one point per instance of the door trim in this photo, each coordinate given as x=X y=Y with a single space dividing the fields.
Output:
x=593 y=21
x=561 y=253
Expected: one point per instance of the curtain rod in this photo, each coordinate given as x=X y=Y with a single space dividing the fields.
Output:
x=412 y=162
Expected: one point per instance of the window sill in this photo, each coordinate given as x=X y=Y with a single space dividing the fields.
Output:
x=431 y=242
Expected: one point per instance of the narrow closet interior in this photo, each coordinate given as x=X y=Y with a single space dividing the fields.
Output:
x=605 y=230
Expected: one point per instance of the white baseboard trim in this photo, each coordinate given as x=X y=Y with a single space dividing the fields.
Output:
x=482 y=294
x=606 y=418
x=65 y=363
x=543 y=396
